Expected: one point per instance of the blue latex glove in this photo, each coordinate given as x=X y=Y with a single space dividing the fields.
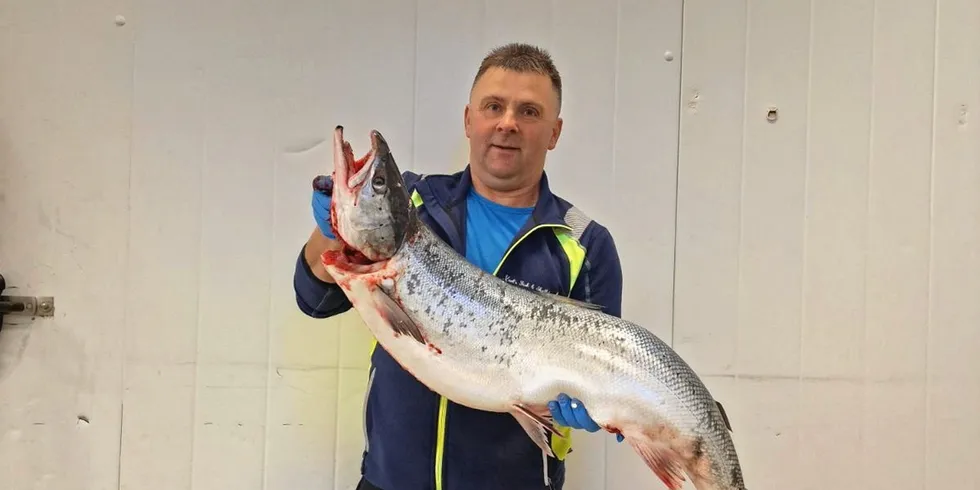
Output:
x=570 y=412
x=322 y=190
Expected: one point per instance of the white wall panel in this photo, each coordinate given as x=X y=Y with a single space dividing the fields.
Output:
x=236 y=242
x=898 y=243
x=165 y=256
x=450 y=35
x=833 y=311
x=708 y=191
x=641 y=197
x=64 y=187
x=953 y=337
x=836 y=243
x=302 y=427
x=826 y=262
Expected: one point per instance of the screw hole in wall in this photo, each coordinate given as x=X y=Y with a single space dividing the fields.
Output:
x=772 y=114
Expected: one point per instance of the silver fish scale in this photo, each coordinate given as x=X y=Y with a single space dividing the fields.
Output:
x=492 y=333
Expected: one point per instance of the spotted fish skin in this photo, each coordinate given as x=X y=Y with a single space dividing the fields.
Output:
x=490 y=345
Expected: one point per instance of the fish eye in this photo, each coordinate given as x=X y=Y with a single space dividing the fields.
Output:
x=378 y=182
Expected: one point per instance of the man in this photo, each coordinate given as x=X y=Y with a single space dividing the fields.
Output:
x=501 y=215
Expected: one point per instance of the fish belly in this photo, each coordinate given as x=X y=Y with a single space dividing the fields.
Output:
x=444 y=362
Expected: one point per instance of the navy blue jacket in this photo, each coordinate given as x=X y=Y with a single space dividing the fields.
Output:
x=416 y=440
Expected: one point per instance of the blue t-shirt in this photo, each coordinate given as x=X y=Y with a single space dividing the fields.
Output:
x=490 y=227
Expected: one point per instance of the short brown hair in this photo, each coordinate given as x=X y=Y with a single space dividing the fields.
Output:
x=522 y=58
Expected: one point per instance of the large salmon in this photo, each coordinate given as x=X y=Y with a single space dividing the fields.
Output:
x=490 y=345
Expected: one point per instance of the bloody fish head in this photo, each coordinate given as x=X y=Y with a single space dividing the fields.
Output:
x=371 y=210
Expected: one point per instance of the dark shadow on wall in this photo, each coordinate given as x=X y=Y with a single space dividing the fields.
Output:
x=14 y=331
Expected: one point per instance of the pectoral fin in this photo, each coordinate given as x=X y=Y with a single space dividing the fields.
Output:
x=397 y=317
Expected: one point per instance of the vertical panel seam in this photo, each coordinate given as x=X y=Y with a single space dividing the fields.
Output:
x=128 y=251
x=615 y=133
x=867 y=229
x=415 y=94
x=741 y=190
x=927 y=385
x=273 y=194
x=206 y=132
x=677 y=171
x=804 y=263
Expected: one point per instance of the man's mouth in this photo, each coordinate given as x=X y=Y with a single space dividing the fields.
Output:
x=504 y=147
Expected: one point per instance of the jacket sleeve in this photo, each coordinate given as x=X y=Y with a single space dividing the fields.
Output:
x=317 y=298
x=601 y=279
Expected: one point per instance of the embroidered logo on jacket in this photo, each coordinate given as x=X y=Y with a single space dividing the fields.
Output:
x=528 y=285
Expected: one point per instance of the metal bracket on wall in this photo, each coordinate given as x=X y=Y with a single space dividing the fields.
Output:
x=30 y=306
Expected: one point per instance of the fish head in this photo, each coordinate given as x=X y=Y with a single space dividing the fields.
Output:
x=371 y=210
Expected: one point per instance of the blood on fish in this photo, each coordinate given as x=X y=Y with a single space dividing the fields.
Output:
x=336 y=258
x=359 y=163
x=333 y=221
x=345 y=257
x=434 y=349
x=356 y=165
x=331 y=257
x=355 y=257
x=372 y=282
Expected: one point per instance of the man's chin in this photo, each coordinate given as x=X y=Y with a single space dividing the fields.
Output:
x=502 y=169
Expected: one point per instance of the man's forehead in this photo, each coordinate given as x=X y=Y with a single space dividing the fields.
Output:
x=512 y=86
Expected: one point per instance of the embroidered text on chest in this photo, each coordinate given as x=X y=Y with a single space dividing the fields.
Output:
x=528 y=285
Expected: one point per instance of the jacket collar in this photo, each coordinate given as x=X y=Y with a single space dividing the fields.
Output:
x=445 y=199
x=548 y=210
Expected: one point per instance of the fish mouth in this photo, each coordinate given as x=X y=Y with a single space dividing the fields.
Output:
x=353 y=172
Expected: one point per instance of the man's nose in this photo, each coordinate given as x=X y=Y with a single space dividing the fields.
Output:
x=507 y=122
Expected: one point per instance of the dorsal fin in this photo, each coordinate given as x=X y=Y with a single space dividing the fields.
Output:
x=724 y=416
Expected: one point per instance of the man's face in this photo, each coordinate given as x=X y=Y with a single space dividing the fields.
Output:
x=512 y=122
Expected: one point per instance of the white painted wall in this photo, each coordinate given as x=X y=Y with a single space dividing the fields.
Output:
x=155 y=175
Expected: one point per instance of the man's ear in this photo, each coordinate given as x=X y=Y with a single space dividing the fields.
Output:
x=555 y=134
x=466 y=120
